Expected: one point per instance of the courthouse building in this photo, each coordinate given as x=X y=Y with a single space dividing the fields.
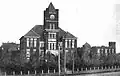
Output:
x=47 y=37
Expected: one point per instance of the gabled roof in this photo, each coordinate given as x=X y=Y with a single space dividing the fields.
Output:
x=37 y=31
x=32 y=33
x=69 y=35
x=51 y=7
x=65 y=34
x=87 y=45
x=62 y=32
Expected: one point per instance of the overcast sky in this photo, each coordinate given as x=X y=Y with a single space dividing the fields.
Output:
x=91 y=21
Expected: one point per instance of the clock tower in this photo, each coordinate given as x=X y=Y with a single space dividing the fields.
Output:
x=51 y=29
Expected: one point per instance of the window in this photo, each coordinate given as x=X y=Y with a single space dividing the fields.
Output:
x=28 y=58
x=106 y=51
x=53 y=26
x=28 y=53
x=41 y=44
x=54 y=46
x=51 y=35
x=112 y=51
x=27 y=42
x=60 y=45
x=35 y=42
x=109 y=50
x=31 y=42
x=98 y=51
x=69 y=43
x=34 y=50
x=73 y=42
x=48 y=46
x=50 y=26
x=51 y=45
x=65 y=43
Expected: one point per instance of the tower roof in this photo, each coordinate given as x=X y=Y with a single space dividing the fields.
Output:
x=51 y=7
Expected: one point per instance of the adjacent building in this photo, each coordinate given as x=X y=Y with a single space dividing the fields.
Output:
x=104 y=50
x=47 y=37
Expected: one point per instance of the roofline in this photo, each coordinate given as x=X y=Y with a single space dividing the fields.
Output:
x=35 y=33
x=69 y=38
x=32 y=36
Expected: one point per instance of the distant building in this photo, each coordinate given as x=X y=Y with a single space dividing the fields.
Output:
x=47 y=37
x=10 y=46
x=104 y=50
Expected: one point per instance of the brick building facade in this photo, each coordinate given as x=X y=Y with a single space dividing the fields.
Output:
x=47 y=37
x=104 y=50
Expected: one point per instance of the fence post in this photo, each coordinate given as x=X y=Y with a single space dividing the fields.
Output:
x=90 y=68
x=54 y=70
x=86 y=69
x=81 y=69
x=5 y=73
x=28 y=72
x=48 y=71
x=77 y=70
x=94 y=68
x=21 y=72
x=102 y=67
x=35 y=72
x=13 y=72
x=105 y=67
x=98 y=68
x=115 y=66
x=112 y=67
x=118 y=66
x=42 y=71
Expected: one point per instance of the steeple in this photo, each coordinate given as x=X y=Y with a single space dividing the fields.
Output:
x=51 y=7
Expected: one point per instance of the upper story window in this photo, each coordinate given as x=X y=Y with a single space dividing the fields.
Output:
x=98 y=51
x=35 y=42
x=53 y=26
x=50 y=26
x=112 y=51
x=41 y=44
x=101 y=51
x=31 y=42
x=27 y=42
x=51 y=35
x=73 y=43
x=34 y=50
x=66 y=44
x=69 y=43
x=106 y=51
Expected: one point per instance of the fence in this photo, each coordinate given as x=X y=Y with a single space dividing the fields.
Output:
x=53 y=72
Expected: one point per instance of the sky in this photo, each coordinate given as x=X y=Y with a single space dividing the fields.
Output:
x=91 y=21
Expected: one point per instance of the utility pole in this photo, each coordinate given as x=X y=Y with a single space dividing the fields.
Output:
x=64 y=60
x=59 y=58
x=73 y=61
